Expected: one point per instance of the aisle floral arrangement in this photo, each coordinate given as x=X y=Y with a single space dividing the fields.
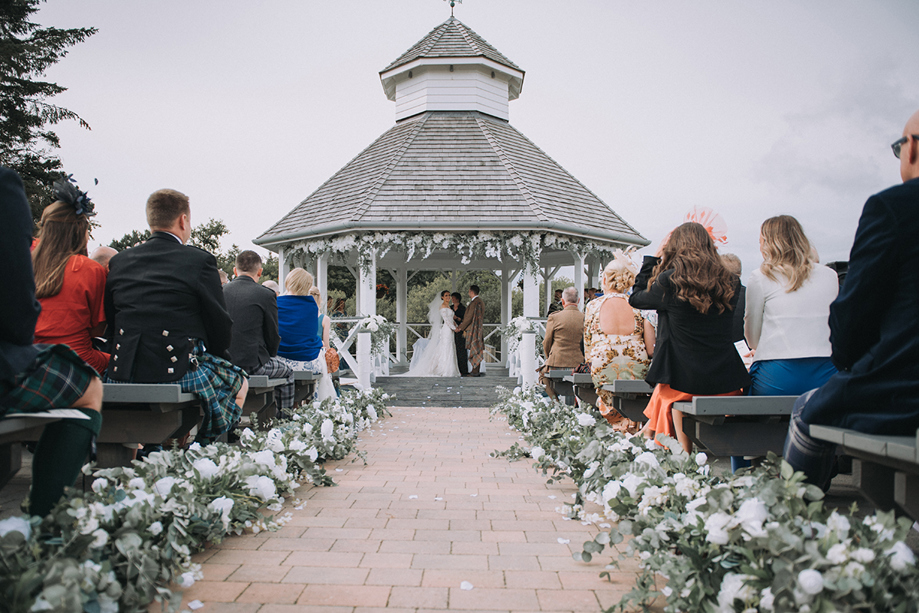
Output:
x=513 y=331
x=381 y=331
x=757 y=540
x=129 y=540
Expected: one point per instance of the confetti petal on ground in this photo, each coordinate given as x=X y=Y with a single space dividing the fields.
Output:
x=465 y=585
x=194 y=605
x=552 y=497
x=564 y=541
x=412 y=497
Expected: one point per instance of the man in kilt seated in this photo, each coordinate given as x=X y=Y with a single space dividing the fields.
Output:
x=167 y=318
x=37 y=378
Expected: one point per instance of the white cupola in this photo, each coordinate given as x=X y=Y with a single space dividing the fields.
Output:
x=452 y=69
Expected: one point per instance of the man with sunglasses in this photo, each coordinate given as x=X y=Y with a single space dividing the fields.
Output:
x=874 y=328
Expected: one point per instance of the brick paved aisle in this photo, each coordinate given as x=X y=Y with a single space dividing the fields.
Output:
x=429 y=511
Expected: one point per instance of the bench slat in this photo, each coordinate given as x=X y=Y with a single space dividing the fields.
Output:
x=17 y=422
x=739 y=405
x=303 y=375
x=580 y=378
x=131 y=393
x=629 y=386
x=830 y=434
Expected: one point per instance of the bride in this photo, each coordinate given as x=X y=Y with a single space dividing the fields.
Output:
x=437 y=357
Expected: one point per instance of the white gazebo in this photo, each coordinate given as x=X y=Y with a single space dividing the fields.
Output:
x=451 y=186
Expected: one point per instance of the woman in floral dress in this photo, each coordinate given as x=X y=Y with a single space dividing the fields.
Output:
x=618 y=340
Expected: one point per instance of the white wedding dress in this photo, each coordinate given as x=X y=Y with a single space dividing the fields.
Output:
x=438 y=356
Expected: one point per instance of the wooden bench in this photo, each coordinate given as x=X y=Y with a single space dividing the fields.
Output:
x=737 y=425
x=632 y=397
x=19 y=427
x=304 y=385
x=885 y=467
x=148 y=413
x=260 y=397
x=560 y=383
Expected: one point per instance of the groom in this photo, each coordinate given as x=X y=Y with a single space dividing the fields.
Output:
x=462 y=356
x=473 y=329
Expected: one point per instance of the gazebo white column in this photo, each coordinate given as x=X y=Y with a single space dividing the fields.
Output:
x=401 y=277
x=531 y=310
x=507 y=292
x=283 y=266
x=322 y=277
x=366 y=307
x=579 y=276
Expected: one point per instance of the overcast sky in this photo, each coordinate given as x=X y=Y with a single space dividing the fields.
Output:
x=750 y=108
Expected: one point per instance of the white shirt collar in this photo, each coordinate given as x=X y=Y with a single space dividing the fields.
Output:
x=173 y=236
x=473 y=298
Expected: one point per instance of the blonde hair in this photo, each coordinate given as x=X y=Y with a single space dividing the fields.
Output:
x=786 y=251
x=317 y=296
x=733 y=263
x=619 y=275
x=299 y=282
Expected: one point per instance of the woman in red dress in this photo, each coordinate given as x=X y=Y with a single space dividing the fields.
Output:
x=69 y=285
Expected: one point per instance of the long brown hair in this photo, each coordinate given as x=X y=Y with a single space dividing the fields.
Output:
x=786 y=250
x=699 y=276
x=62 y=233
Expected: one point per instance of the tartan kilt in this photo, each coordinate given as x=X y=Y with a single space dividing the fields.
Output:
x=55 y=380
x=216 y=382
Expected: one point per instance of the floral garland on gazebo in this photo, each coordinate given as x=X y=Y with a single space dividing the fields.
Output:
x=522 y=248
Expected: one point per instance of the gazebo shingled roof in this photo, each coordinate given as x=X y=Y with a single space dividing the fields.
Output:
x=452 y=170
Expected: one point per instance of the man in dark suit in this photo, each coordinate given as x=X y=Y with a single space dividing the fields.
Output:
x=167 y=317
x=874 y=330
x=254 y=311
x=37 y=378
x=462 y=356
x=556 y=305
x=733 y=263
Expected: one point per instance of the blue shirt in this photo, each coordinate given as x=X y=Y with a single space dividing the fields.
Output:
x=298 y=323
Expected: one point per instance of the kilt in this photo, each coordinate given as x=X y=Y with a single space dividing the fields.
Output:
x=55 y=380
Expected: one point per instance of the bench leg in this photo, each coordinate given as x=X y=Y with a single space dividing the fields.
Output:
x=113 y=455
x=875 y=482
x=906 y=493
x=10 y=461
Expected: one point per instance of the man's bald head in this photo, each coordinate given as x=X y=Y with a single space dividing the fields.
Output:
x=103 y=255
x=909 y=151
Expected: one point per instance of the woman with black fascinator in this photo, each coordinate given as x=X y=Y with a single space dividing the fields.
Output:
x=69 y=286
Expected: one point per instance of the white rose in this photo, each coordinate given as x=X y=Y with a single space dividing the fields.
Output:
x=751 y=515
x=701 y=459
x=223 y=505
x=838 y=524
x=205 y=467
x=863 y=555
x=313 y=454
x=327 y=430
x=733 y=588
x=155 y=528
x=137 y=484
x=99 y=485
x=164 y=486
x=716 y=526
x=648 y=459
x=246 y=437
x=810 y=581
x=901 y=556
x=591 y=469
x=261 y=486
x=767 y=600
x=297 y=445
x=586 y=420
x=100 y=538
x=371 y=413
x=537 y=452
x=273 y=440
x=17 y=524
x=837 y=554
x=611 y=490
x=265 y=457
x=187 y=580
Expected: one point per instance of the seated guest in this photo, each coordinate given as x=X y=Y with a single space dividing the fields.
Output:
x=273 y=286
x=326 y=387
x=556 y=304
x=732 y=263
x=788 y=307
x=102 y=256
x=618 y=341
x=224 y=279
x=874 y=331
x=298 y=320
x=255 y=338
x=695 y=297
x=37 y=378
x=167 y=318
x=562 y=343
x=69 y=285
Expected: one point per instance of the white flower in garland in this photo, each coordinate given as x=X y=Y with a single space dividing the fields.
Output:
x=810 y=581
x=16 y=524
x=223 y=505
x=164 y=486
x=901 y=556
x=586 y=420
x=261 y=486
x=327 y=430
x=733 y=587
x=205 y=467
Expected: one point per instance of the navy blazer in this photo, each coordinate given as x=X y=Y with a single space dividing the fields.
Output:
x=254 y=310
x=158 y=297
x=18 y=308
x=694 y=352
x=874 y=323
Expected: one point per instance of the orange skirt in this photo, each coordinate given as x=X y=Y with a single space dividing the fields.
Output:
x=660 y=418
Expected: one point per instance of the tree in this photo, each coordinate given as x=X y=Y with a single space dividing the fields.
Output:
x=132 y=239
x=27 y=50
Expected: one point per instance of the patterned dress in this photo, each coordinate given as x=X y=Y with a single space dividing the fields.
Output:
x=614 y=356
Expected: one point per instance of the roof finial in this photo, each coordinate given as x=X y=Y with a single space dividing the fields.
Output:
x=453 y=4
